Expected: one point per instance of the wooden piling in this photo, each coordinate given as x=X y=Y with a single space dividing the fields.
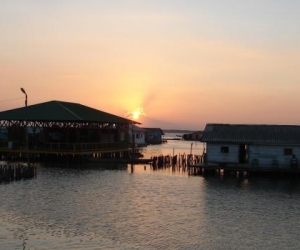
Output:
x=10 y=173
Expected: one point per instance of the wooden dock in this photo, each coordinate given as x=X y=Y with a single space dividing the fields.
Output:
x=243 y=170
x=195 y=165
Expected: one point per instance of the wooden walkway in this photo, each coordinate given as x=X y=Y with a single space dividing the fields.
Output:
x=68 y=148
x=66 y=152
x=195 y=165
x=243 y=170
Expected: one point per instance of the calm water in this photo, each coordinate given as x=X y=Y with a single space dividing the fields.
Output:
x=137 y=208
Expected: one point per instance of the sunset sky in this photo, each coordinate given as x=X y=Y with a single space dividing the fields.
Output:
x=184 y=63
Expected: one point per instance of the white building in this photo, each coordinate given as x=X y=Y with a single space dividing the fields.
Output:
x=262 y=146
x=137 y=135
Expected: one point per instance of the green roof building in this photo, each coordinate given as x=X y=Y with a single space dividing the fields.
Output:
x=62 y=128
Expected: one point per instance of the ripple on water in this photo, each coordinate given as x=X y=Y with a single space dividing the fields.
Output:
x=101 y=209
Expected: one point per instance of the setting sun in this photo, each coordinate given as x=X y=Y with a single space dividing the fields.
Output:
x=135 y=114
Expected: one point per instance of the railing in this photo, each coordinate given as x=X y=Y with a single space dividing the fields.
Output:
x=83 y=147
x=66 y=147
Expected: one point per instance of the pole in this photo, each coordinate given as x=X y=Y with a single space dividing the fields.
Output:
x=133 y=142
x=26 y=126
x=23 y=90
x=133 y=148
x=191 y=148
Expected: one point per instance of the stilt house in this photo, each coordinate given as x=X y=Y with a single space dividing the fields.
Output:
x=63 y=128
x=137 y=136
x=153 y=135
x=261 y=146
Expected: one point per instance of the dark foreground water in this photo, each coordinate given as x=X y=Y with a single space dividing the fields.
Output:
x=136 y=208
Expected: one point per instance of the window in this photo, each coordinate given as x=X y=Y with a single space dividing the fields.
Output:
x=139 y=135
x=288 y=151
x=224 y=150
x=122 y=136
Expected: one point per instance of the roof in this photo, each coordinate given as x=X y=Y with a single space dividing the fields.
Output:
x=154 y=130
x=252 y=134
x=60 y=111
x=136 y=128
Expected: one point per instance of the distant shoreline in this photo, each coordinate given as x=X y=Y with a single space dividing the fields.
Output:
x=178 y=131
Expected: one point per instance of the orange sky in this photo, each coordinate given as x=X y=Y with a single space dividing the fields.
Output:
x=185 y=63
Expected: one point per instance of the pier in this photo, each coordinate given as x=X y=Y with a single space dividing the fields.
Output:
x=181 y=161
x=243 y=170
x=195 y=165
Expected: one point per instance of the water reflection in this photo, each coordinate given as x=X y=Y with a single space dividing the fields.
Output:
x=138 y=207
x=173 y=147
x=148 y=168
x=251 y=209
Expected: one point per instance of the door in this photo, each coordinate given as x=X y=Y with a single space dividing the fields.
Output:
x=243 y=153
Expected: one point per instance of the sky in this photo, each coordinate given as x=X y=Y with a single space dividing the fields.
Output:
x=183 y=64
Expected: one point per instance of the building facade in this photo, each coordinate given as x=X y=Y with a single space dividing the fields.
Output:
x=261 y=146
x=63 y=128
x=153 y=135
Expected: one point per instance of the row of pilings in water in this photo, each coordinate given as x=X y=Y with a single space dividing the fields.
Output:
x=17 y=172
x=182 y=161
x=195 y=165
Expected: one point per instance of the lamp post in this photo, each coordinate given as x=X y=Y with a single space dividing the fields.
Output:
x=26 y=125
x=24 y=92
